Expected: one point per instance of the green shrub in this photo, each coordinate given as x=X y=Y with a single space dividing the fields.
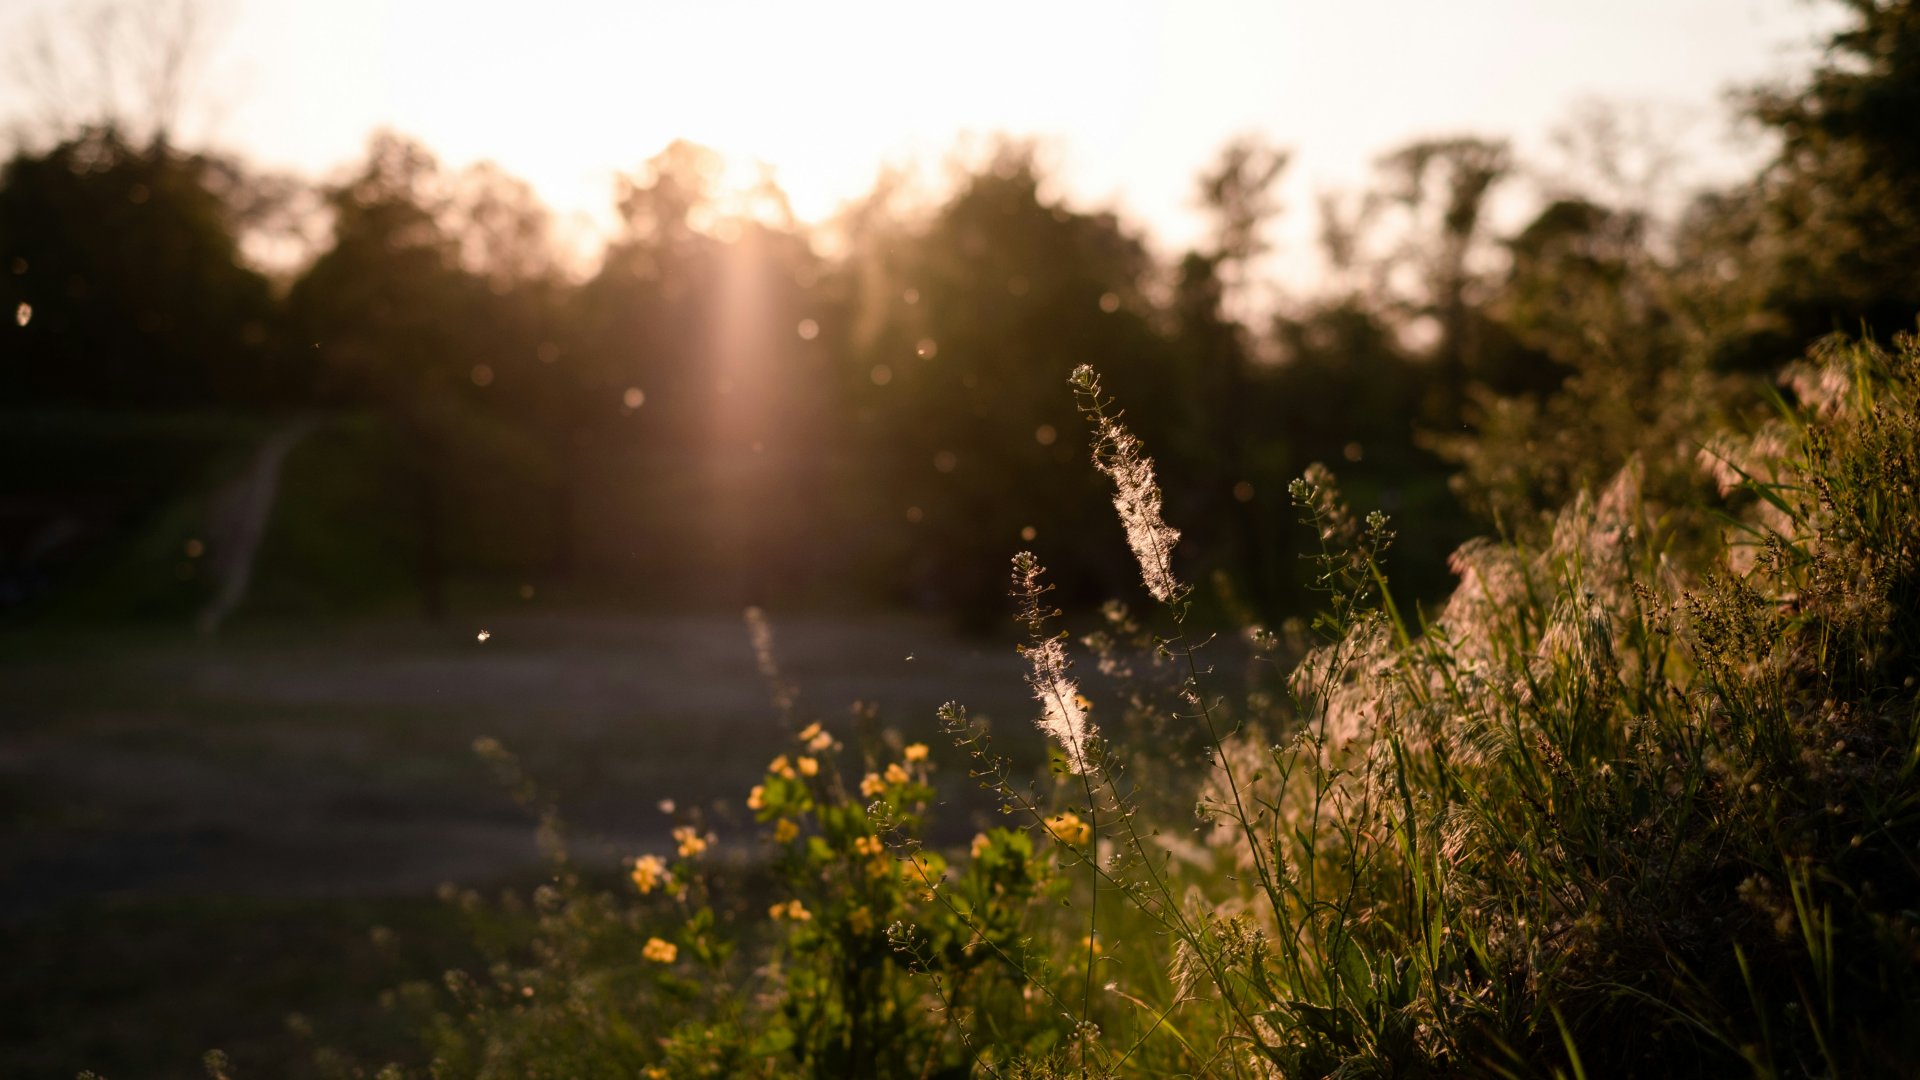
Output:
x=1640 y=800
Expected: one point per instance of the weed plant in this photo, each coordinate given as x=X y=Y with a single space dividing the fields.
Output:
x=1640 y=799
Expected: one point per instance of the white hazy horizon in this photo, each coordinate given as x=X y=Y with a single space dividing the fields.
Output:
x=1129 y=101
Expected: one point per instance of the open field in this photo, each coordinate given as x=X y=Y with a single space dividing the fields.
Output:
x=199 y=834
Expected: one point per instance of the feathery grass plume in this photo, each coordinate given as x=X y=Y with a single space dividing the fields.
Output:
x=1062 y=714
x=1116 y=452
x=785 y=697
x=1827 y=381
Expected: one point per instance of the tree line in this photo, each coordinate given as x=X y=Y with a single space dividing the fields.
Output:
x=737 y=407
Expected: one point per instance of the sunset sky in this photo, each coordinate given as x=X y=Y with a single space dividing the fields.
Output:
x=1131 y=98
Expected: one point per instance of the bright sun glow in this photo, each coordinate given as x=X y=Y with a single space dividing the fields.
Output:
x=1132 y=97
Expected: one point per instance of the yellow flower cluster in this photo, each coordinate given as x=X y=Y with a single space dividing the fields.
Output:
x=873 y=785
x=660 y=952
x=792 y=909
x=780 y=766
x=916 y=752
x=817 y=738
x=868 y=845
x=692 y=844
x=1067 y=828
x=784 y=831
x=757 y=798
x=808 y=766
x=648 y=870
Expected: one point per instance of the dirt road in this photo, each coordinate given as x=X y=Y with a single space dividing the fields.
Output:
x=335 y=760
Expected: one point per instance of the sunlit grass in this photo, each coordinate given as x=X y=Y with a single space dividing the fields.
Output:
x=1633 y=802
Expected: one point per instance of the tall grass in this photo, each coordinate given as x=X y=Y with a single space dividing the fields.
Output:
x=1640 y=799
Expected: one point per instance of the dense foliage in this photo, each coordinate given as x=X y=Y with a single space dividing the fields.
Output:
x=1640 y=800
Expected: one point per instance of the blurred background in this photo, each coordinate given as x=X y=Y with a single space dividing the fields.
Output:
x=375 y=376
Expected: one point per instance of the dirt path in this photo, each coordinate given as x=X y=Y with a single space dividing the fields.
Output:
x=303 y=761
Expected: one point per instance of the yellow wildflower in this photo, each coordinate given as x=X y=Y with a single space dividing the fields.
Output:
x=660 y=952
x=757 y=798
x=980 y=844
x=860 y=920
x=810 y=731
x=784 y=831
x=820 y=743
x=868 y=845
x=1067 y=828
x=692 y=844
x=916 y=752
x=780 y=767
x=808 y=767
x=871 y=785
x=879 y=868
x=896 y=774
x=792 y=909
x=647 y=872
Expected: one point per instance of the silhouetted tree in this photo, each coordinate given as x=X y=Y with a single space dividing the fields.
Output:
x=125 y=263
x=696 y=362
x=1837 y=234
x=970 y=327
x=1238 y=193
x=387 y=308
